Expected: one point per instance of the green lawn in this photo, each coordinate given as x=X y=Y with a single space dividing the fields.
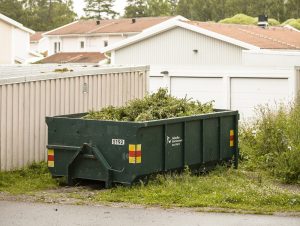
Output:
x=224 y=188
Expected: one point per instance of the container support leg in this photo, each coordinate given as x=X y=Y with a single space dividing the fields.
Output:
x=99 y=156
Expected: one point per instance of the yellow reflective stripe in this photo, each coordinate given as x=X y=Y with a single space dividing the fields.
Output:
x=138 y=160
x=231 y=132
x=131 y=147
x=50 y=163
x=231 y=143
x=50 y=152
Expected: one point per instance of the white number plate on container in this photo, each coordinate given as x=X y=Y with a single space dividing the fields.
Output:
x=118 y=142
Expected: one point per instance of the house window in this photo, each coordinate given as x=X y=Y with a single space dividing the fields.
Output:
x=56 y=47
x=82 y=45
x=105 y=43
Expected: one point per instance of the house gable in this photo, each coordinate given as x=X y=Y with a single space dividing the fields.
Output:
x=179 y=46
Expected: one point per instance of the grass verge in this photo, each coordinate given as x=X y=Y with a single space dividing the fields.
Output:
x=32 y=178
x=222 y=188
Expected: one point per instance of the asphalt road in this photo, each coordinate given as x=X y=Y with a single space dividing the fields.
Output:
x=31 y=214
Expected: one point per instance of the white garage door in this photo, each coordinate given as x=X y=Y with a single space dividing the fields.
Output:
x=248 y=93
x=202 y=89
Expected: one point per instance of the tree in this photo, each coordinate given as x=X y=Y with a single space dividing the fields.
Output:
x=39 y=15
x=136 y=8
x=100 y=9
x=159 y=8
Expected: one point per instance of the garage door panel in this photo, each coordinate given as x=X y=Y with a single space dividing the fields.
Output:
x=202 y=89
x=249 y=93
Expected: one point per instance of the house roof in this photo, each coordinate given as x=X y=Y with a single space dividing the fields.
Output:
x=265 y=38
x=245 y=36
x=74 y=57
x=124 y=25
x=15 y=23
x=37 y=36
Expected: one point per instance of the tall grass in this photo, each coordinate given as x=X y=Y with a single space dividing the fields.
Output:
x=272 y=142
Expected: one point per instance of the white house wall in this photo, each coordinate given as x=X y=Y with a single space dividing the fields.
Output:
x=176 y=47
x=24 y=106
x=92 y=43
x=6 y=53
x=271 y=58
x=21 y=41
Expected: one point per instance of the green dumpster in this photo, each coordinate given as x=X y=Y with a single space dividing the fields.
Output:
x=124 y=152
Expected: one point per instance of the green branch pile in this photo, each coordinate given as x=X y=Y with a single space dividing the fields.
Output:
x=158 y=105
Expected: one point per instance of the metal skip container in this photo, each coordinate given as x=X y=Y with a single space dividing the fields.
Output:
x=124 y=152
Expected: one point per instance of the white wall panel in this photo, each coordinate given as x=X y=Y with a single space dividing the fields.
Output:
x=248 y=93
x=175 y=47
x=202 y=89
x=24 y=106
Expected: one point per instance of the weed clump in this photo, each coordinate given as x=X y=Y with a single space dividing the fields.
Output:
x=272 y=142
x=156 y=106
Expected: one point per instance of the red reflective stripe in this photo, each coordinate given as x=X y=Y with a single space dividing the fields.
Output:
x=132 y=154
x=50 y=157
x=138 y=153
x=231 y=137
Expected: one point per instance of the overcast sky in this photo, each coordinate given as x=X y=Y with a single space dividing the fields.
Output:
x=79 y=5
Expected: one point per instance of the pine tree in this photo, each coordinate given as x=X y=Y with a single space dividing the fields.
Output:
x=100 y=9
x=136 y=8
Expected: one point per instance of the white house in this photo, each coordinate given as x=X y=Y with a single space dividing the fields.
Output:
x=89 y=36
x=237 y=66
x=14 y=42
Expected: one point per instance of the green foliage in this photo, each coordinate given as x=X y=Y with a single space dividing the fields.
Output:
x=239 y=19
x=272 y=142
x=293 y=22
x=273 y=22
x=221 y=188
x=215 y=10
x=32 y=178
x=159 y=105
x=99 y=9
x=136 y=8
x=39 y=15
x=146 y=8
x=247 y=20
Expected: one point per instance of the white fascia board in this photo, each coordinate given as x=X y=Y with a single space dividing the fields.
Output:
x=15 y=24
x=274 y=52
x=167 y=25
x=74 y=22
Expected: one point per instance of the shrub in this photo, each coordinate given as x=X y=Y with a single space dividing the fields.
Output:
x=292 y=22
x=247 y=20
x=239 y=19
x=272 y=142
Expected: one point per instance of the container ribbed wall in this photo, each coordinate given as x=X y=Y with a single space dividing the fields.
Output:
x=24 y=105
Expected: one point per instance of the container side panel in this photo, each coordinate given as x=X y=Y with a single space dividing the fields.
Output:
x=193 y=145
x=174 y=146
x=210 y=140
x=152 y=144
x=228 y=124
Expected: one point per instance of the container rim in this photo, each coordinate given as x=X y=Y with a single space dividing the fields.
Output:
x=216 y=112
